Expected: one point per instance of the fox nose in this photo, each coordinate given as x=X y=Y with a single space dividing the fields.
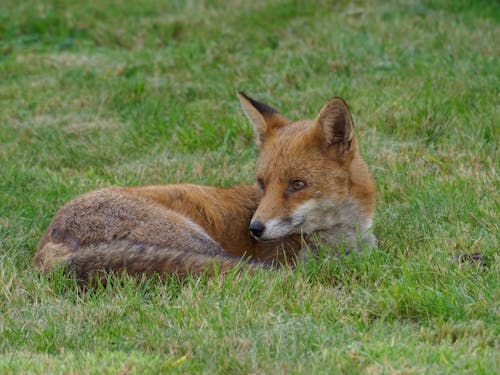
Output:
x=257 y=228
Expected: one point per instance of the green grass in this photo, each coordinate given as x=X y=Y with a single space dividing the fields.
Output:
x=138 y=92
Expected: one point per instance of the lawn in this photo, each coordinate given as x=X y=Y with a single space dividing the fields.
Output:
x=123 y=92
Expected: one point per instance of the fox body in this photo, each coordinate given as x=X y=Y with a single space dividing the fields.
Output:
x=312 y=188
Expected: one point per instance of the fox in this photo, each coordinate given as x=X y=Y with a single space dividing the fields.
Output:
x=313 y=191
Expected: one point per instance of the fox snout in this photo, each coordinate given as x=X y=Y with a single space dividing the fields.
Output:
x=274 y=229
x=257 y=228
x=278 y=216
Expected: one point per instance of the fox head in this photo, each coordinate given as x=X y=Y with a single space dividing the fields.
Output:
x=309 y=173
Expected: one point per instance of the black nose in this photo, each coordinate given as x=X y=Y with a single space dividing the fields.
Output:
x=257 y=228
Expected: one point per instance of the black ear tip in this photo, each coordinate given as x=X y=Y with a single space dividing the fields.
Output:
x=241 y=93
x=264 y=109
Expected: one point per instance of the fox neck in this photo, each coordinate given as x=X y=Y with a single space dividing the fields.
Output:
x=339 y=225
x=328 y=214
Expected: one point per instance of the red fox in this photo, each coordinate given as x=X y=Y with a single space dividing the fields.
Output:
x=313 y=189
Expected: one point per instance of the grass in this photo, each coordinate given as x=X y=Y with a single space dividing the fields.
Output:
x=140 y=92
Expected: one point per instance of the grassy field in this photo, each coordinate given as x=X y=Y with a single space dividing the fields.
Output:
x=124 y=92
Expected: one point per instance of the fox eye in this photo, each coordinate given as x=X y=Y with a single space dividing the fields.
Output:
x=296 y=185
x=261 y=184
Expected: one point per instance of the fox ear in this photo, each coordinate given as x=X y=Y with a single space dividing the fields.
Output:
x=335 y=125
x=264 y=119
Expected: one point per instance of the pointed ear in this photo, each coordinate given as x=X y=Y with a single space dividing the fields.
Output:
x=263 y=118
x=334 y=125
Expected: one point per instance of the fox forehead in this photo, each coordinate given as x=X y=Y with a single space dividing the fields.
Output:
x=293 y=152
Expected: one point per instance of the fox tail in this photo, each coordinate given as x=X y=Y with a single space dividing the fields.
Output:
x=135 y=258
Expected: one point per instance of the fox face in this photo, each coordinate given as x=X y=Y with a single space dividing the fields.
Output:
x=306 y=172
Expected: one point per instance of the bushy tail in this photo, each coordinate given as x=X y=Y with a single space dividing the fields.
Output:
x=133 y=258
